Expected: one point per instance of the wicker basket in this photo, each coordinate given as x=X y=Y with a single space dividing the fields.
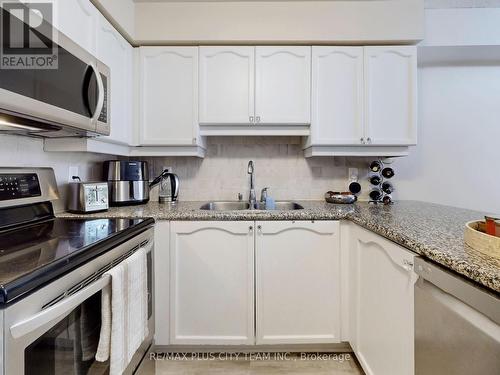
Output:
x=485 y=243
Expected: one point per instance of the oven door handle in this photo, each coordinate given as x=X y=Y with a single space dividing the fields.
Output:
x=58 y=310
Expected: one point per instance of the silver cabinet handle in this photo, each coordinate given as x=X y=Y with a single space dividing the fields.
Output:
x=362 y=140
x=369 y=140
x=250 y=228
x=257 y=118
x=251 y=119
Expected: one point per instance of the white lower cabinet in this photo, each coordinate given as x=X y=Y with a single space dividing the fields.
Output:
x=297 y=282
x=213 y=288
x=212 y=283
x=381 y=282
x=162 y=282
x=280 y=283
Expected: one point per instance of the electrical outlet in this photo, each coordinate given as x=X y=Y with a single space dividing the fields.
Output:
x=169 y=169
x=353 y=174
x=73 y=170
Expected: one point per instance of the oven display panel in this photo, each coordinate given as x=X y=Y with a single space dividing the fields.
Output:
x=16 y=186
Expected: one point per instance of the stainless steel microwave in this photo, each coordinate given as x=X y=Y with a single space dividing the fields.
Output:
x=70 y=100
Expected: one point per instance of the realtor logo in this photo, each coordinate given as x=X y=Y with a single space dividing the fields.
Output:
x=27 y=36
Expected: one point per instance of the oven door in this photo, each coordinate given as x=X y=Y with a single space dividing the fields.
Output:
x=62 y=338
x=68 y=341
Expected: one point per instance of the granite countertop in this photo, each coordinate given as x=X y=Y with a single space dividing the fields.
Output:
x=430 y=230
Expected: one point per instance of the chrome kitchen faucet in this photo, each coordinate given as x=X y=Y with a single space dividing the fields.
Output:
x=251 y=196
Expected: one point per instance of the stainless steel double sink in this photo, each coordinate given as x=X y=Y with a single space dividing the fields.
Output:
x=240 y=205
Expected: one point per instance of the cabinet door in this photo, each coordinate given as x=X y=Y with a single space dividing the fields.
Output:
x=77 y=19
x=283 y=85
x=391 y=95
x=227 y=85
x=297 y=282
x=337 y=96
x=114 y=51
x=162 y=282
x=169 y=96
x=382 y=282
x=212 y=283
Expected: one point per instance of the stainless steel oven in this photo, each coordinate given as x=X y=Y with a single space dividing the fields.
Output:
x=55 y=329
x=70 y=100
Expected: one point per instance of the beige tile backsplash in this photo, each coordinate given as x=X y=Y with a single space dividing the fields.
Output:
x=279 y=165
x=17 y=151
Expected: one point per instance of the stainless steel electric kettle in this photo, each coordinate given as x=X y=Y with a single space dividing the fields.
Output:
x=168 y=191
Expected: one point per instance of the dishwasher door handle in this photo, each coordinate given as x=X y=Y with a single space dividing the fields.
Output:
x=58 y=310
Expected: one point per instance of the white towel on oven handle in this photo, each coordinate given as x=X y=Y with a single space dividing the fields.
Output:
x=138 y=301
x=124 y=323
x=103 y=347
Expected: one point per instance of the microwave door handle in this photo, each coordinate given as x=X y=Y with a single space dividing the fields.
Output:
x=100 y=95
x=58 y=310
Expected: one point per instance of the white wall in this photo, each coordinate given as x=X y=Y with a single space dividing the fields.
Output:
x=462 y=27
x=16 y=151
x=279 y=21
x=456 y=161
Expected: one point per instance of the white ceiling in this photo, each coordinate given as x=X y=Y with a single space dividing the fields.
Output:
x=221 y=1
x=428 y=3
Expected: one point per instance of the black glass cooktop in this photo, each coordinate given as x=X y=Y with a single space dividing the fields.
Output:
x=34 y=255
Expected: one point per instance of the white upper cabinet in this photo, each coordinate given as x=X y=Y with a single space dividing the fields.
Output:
x=391 y=95
x=211 y=283
x=168 y=96
x=365 y=97
x=77 y=19
x=114 y=51
x=382 y=316
x=337 y=96
x=283 y=85
x=227 y=85
x=297 y=282
x=255 y=86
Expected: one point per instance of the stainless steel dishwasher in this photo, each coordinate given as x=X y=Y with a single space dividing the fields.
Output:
x=457 y=324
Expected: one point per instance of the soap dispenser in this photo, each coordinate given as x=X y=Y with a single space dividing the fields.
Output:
x=266 y=200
